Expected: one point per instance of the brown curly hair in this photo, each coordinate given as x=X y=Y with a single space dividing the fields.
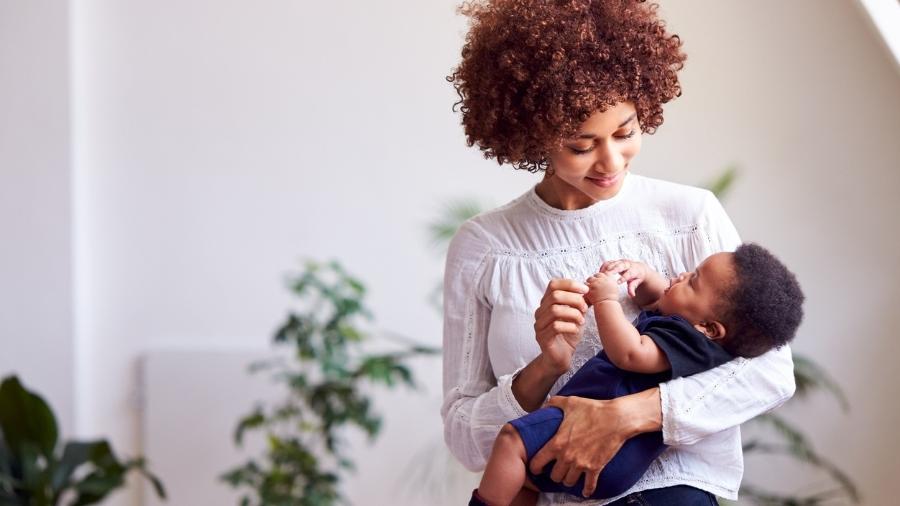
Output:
x=533 y=70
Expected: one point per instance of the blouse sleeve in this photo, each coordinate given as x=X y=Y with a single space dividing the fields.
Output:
x=476 y=403
x=700 y=405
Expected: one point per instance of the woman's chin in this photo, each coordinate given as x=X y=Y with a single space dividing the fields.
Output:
x=604 y=191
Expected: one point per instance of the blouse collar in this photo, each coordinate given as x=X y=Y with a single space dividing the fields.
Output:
x=537 y=203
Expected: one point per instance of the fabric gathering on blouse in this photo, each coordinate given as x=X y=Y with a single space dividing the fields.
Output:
x=497 y=268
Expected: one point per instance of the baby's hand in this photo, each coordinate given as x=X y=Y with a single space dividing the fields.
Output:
x=630 y=271
x=603 y=286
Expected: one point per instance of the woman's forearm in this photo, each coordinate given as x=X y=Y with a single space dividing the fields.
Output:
x=642 y=410
x=703 y=404
x=531 y=386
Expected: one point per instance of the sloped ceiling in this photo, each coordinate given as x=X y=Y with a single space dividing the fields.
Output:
x=885 y=17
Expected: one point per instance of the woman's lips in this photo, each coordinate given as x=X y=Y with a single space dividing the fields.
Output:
x=607 y=181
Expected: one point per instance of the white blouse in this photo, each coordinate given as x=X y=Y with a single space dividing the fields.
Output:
x=497 y=268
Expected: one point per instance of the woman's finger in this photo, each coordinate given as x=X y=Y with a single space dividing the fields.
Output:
x=560 y=470
x=559 y=327
x=542 y=458
x=550 y=339
x=573 y=299
x=560 y=312
x=567 y=285
x=572 y=476
x=590 y=482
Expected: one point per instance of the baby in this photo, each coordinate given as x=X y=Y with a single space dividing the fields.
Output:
x=739 y=304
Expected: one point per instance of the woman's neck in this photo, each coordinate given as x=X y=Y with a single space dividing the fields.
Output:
x=561 y=195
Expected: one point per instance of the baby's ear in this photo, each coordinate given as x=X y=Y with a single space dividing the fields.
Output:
x=712 y=329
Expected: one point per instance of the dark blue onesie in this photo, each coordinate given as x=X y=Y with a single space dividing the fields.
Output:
x=688 y=351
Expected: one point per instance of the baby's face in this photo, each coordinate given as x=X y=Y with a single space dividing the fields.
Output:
x=695 y=295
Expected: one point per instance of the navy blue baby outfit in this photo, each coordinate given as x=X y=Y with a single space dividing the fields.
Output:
x=687 y=350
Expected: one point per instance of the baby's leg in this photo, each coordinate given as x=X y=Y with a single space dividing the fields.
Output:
x=504 y=475
x=528 y=496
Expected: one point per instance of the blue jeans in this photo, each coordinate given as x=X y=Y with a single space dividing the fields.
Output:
x=679 y=495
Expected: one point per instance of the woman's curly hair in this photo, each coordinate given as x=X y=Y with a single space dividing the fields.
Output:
x=533 y=70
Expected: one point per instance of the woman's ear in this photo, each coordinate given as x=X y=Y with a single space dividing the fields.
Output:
x=712 y=329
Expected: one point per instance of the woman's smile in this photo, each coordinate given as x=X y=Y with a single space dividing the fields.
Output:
x=606 y=181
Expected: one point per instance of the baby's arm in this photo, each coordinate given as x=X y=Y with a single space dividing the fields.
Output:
x=645 y=285
x=624 y=345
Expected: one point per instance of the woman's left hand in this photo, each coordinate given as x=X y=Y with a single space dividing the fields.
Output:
x=591 y=433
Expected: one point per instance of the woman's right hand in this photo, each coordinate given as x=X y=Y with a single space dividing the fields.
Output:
x=558 y=322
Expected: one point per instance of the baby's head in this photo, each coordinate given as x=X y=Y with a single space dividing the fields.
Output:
x=747 y=301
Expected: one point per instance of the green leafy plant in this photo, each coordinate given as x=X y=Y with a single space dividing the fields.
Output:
x=32 y=470
x=305 y=455
x=774 y=435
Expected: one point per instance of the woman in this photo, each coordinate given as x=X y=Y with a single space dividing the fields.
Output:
x=567 y=88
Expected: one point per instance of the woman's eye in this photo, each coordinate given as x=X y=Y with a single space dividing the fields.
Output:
x=578 y=151
x=628 y=135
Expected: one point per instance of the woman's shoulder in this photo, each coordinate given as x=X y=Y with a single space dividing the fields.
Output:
x=479 y=232
x=489 y=227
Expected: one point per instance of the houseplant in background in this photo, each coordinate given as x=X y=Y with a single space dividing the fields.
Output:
x=771 y=434
x=33 y=471
x=326 y=382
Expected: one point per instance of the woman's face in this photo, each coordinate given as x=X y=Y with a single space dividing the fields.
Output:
x=592 y=164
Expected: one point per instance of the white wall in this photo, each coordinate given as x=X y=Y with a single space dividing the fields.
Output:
x=35 y=185
x=217 y=142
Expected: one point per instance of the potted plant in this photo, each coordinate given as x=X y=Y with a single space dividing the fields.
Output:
x=36 y=471
x=305 y=457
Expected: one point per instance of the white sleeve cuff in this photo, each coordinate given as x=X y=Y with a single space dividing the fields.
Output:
x=509 y=405
x=669 y=420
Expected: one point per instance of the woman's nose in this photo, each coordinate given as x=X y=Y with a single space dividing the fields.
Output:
x=609 y=159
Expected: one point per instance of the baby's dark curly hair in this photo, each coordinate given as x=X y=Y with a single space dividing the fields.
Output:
x=533 y=70
x=764 y=305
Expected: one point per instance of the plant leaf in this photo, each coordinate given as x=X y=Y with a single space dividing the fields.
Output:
x=722 y=183
x=455 y=213
x=25 y=418
x=139 y=465
x=808 y=376
x=255 y=419
x=74 y=455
